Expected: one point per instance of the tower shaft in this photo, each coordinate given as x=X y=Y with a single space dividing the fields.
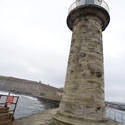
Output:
x=84 y=86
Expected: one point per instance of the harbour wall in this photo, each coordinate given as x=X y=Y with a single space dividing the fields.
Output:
x=28 y=87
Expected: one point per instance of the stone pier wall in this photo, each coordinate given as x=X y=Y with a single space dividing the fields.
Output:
x=27 y=87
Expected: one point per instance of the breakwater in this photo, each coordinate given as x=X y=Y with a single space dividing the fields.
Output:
x=28 y=87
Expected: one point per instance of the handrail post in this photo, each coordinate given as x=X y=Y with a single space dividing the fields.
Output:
x=15 y=106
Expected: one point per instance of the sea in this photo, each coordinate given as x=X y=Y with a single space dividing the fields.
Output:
x=28 y=105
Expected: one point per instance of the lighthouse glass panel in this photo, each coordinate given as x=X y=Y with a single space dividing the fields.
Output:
x=98 y=2
x=81 y=2
x=89 y=1
x=86 y=1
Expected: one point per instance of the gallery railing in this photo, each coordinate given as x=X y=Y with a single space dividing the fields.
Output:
x=79 y=3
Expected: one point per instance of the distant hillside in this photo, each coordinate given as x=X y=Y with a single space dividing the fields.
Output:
x=28 y=87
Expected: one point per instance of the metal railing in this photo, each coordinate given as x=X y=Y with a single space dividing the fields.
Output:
x=79 y=3
x=11 y=107
x=116 y=115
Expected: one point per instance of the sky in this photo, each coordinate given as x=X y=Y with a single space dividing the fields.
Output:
x=35 y=43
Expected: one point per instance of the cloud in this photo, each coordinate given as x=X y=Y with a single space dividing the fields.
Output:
x=32 y=41
x=35 y=42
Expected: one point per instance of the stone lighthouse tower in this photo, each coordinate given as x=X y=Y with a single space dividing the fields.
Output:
x=83 y=99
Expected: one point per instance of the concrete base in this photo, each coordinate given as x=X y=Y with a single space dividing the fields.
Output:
x=108 y=122
x=64 y=120
x=84 y=122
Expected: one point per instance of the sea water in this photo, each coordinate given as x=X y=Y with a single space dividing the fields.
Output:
x=26 y=105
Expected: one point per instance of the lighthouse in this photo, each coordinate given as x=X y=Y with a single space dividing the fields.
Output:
x=83 y=99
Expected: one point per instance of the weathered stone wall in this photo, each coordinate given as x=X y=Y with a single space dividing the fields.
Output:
x=83 y=96
x=28 y=87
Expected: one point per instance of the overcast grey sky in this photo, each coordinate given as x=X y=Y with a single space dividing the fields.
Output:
x=35 y=42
